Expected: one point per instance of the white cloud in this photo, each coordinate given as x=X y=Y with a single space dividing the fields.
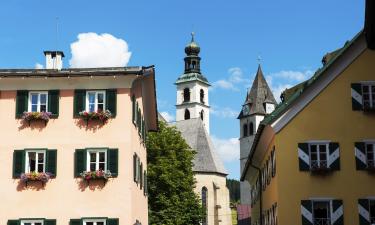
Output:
x=99 y=50
x=38 y=66
x=168 y=117
x=224 y=84
x=235 y=78
x=225 y=112
x=227 y=149
x=293 y=75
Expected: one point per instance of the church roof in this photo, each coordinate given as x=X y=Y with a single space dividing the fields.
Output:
x=198 y=139
x=186 y=77
x=259 y=94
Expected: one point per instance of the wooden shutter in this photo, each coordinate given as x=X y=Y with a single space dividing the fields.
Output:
x=337 y=212
x=133 y=109
x=141 y=176
x=360 y=156
x=79 y=102
x=112 y=221
x=334 y=156
x=22 y=100
x=357 y=102
x=53 y=102
x=135 y=167
x=364 y=211
x=49 y=222
x=79 y=161
x=18 y=163
x=51 y=161
x=112 y=155
x=13 y=222
x=75 y=222
x=111 y=101
x=303 y=157
x=306 y=212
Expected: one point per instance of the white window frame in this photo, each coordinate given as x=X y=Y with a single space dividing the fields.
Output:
x=97 y=151
x=95 y=221
x=371 y=101
x=329 y=203
x=96 y=100
x=38 y=103
x=318 y=152
x=32 y=222
x=27 y=166
x=373 y=151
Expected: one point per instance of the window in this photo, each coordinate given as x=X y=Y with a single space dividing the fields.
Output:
x=187 y=114
x=321 y=212
x=202 y=96
x=204 y=204
x=32 y=222
x=370 y=156
x=97 y=160
x=245 y=130
x=95 y=101
x=94 y=222
x=202 y=115
x=368 y=95
x=186 y=95
x=318 y=156
x=38 y=101
x=251 y=128
x=35 y=161
x=372 y=211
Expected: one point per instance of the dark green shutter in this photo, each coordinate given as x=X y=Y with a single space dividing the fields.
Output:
x=112 y=221
x=364 y=211
x=111 y=101
x=303 y=156
x=307 y=212
x=112 y=155
x=51 y=161
x=18 y=163
x=79 y=102
x=21 y=103
x=13 y=222
x=141 y=176
x=135 y=167
x=145 y=183
x=360 y=156
x=53 y=102
x=133 y=109
x=334 y=156
x=357 y=101
x=49 y=222
x=75 y=222
x=79 y=162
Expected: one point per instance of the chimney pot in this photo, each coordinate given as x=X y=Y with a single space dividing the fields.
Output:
x=54 y=59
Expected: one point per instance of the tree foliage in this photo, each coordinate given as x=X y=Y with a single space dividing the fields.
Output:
x=171 y=182
x=234 y=190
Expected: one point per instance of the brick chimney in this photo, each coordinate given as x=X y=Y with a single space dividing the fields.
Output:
x=370 y=24
x=54 y=59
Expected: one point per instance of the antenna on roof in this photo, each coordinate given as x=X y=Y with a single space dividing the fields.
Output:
x=57 y=33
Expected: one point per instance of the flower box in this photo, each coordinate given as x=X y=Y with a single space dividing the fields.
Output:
x=35 y=176
x=96 y=175
x=99 y=115
x=33 y=116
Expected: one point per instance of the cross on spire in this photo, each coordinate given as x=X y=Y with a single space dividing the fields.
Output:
x=192 y=36
x=259 y=59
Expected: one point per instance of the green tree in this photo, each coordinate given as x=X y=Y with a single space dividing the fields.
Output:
x=172 y=200
x=234 y=190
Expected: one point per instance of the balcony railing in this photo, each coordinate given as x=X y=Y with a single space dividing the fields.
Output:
x=371 y=164
x=322 y=221
x=372 y=220
x=319 y=165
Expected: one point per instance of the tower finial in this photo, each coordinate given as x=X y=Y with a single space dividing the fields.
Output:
x=192 y=36
x=259 y=59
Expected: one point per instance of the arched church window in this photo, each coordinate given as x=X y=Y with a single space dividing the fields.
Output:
x=193 y=65
x=187 y=114
x=245 y=130
x=201 y=94
x=251 y=129
x=186 y=95
x=202 y=114
x=204 y=204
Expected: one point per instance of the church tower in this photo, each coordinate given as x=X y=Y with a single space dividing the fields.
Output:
x=258 y=103
x=192 y=88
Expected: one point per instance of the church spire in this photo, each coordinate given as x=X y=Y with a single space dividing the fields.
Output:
x=192 y=59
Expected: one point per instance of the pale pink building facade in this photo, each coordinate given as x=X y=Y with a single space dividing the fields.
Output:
x=68 y=145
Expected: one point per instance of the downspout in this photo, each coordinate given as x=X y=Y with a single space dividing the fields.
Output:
x=260 y=193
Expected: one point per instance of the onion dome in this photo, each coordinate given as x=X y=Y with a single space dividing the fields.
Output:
x=192 y=48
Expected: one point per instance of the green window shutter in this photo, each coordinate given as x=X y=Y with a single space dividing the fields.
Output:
x=112 y=221
x=51 y=161
x=141 y=175
x=364 y=211
x=79 y=102
x=136 y=114
x=357 y=101
x=111 y=101
x=53 y=102
x=22 y=100
x=133 y=109
x=145 y=183
x=112 y=155
x=334 y=156
x=49 y=222
x=135 y=167
x=75 y=222
x=139 y=123
x=13 y=222
x=18 y=163
x=79 y=162
x=360 y=156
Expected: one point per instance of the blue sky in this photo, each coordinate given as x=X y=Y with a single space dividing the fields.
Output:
x=291 y=36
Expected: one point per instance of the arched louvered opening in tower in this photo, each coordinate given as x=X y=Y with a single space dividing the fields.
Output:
x=251 y=129
x=204 y=204
x=202 y=114
x=245 y=129
x=187 y=114
x=186 y=95
x=201 y=94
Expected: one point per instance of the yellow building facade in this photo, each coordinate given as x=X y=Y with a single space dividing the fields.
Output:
x=312 y=161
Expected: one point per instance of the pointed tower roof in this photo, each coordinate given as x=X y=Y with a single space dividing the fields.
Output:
x=259 y=94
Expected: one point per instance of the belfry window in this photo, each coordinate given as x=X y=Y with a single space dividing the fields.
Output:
x=186 y=95
x=201 y=94
x=187 y=114
x=193 y=65
x=204 y=204
x=202 y=114
x=245 y=130
x=251 y=129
